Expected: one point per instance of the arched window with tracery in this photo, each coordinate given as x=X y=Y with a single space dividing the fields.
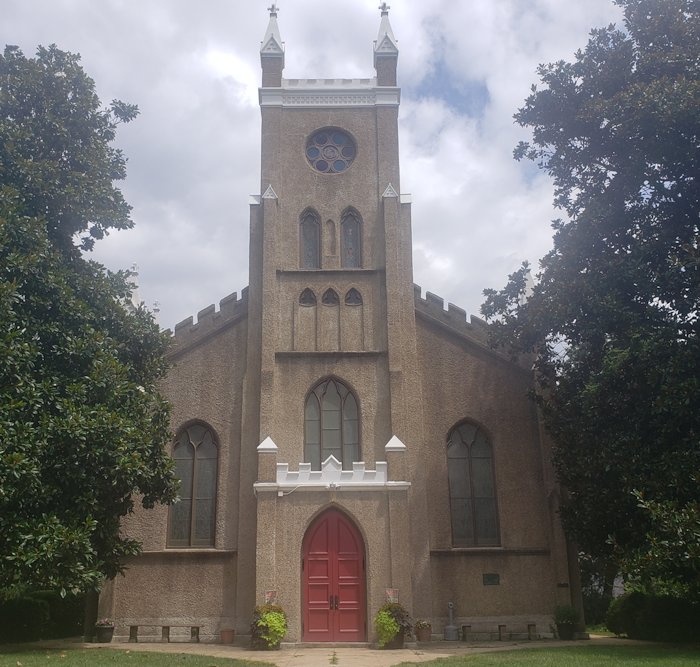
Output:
x=307 y=298
x=472 y=487
x=310 y=240
x=330 y=297
x=351 y=240
x=192 y=520
x=331 y=425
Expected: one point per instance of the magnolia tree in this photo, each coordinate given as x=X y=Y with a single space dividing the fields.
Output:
x=82 y=423
x=613 y=318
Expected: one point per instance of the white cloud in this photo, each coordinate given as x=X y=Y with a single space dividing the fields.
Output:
x=194 y=150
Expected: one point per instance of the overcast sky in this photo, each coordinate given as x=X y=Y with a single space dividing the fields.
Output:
x=193 y=68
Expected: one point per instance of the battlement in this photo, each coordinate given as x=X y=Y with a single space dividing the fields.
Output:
x=454 y=317
x=209 y=319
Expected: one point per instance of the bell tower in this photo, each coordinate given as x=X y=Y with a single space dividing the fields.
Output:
x=331 y=285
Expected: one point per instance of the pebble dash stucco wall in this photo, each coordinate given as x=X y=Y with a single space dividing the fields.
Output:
x=416 y=369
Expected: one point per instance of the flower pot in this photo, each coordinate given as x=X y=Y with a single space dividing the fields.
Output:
x=104 y=633
x=423 y=633
x=565 y=630
x=227 y=636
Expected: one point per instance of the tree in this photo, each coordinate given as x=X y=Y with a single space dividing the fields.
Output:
x=55 y=147
x=82 y=423
x=613 y=320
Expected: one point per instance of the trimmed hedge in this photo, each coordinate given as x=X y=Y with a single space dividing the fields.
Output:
x=65 y=614
x=23 y=619
x=656 y=618
x=41 y=615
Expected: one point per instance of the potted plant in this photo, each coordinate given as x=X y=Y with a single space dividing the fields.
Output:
x=268 y=628
x=566 y=618
x=104 y=630
x=392 y=624
x=423 y=630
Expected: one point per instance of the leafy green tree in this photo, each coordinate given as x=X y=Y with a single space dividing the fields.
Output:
x=82 y=423
x=55 y=146
x=613 y=319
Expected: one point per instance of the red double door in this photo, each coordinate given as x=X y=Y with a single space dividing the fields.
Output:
x=333 y=580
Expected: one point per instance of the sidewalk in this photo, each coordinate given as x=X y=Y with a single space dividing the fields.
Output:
x=349 y=657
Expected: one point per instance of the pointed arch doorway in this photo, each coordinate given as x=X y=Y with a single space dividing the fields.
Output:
x=333 y=580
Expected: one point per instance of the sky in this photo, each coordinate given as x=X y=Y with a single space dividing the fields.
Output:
x=193 y=68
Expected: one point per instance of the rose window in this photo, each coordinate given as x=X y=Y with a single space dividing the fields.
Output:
x=330 y=151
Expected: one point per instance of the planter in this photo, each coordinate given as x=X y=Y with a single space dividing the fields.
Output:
x=396 y=642
x=565 y=630
x=104 y=633
x=227 y=636
x=423 y=633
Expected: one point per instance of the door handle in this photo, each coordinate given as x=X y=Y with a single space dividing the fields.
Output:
x=330 y=602
x=336 y=601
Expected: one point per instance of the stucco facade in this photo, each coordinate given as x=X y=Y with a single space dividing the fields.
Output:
x=477 y=528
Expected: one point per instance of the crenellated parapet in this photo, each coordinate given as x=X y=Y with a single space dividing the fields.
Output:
x=433 y=306
x=209 y=319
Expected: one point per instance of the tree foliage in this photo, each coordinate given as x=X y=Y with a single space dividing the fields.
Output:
x=82 y=424
x=56 y=146
x=613 y=319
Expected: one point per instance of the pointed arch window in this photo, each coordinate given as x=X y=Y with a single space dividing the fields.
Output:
x=353 y=297
x=307 y=298
x=331 y=425
x=351 y=240
x=472 y=487
x=192 y=520
x=330 y=298
x=310 y=240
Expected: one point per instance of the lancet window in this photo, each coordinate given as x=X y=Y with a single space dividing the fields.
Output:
x=192 y=520
x=470 y=470
x=310 y=240
x=331 y=425
x=351 y=240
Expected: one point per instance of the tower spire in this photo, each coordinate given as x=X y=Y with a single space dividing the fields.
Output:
x=386 y=50
x=272 y=51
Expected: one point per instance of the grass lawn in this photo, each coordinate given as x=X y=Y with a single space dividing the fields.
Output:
x=580 y=655
x=95 y=657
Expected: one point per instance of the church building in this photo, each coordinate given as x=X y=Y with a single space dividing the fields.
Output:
x=342 y=440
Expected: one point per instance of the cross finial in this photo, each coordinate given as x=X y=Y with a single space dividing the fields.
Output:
x=274 y=9
x=385 y=9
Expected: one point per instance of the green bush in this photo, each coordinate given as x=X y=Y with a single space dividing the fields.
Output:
x=402 y=623
x=66 y=614
x=269 y=626
x=566 y=614
x=23 y=619
x=386 y=627
x=656 y=618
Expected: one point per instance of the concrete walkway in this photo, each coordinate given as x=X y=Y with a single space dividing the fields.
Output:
x=349 y=657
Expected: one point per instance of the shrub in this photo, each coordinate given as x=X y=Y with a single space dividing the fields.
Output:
x=656 y=618
x=566 y=615
x=66 y=614
x=23 y=619
x=400 y=617
x=269 y=626
x=386 y=627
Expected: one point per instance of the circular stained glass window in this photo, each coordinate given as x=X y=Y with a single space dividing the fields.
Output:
x=330 y=151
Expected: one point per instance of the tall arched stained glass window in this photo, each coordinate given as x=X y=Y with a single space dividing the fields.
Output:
x=310 y=240
x=472 y=487
x=351 y=240
x=192 y=520
x=331 y=425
